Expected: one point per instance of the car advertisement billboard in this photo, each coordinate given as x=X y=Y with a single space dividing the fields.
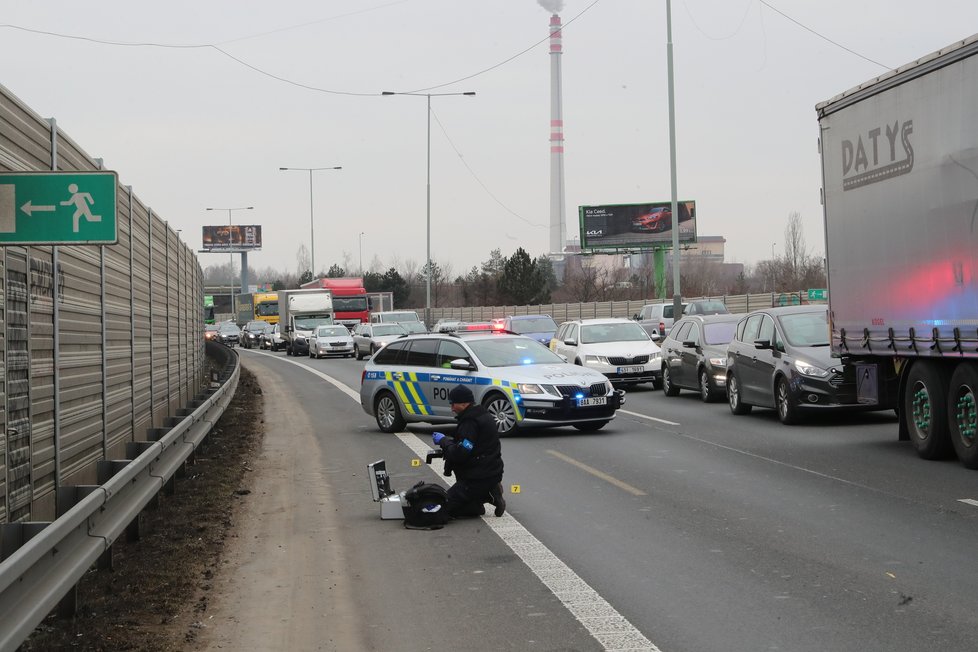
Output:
x=232 y=237
x=635 y=226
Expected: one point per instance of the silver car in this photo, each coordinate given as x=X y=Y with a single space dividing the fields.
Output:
x=331 y=340
x=657 y=319
x=519 y=381
x=370 y=338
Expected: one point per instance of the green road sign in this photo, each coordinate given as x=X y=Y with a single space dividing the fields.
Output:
x=49 y=208
x=820 y=294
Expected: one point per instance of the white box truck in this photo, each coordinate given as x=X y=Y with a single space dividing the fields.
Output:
x=300 y=313
x=900 y=193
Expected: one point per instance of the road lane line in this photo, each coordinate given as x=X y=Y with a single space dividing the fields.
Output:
x=624 y=486
x=645 y=416
x=612 y=630
x=346 y=389
x=968 y=501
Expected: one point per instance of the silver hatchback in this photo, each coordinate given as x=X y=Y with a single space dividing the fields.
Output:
x=519 y=381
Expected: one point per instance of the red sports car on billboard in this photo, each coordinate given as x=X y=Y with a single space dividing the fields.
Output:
x=656 y=221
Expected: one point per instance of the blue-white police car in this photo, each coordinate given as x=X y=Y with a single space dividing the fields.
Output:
x=518 y=380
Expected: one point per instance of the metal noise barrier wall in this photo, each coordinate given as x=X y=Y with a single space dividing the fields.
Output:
x=98 y=344
x=42 y=573
x=561 y=312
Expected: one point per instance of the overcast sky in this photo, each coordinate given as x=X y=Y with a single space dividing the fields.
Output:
x=191 y=128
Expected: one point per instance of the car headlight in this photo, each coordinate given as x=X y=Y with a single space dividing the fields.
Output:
x=655 y=360
x=530 y=389
x=809 y=369
x=608 y=387
x=718 y=362
x=596 y=359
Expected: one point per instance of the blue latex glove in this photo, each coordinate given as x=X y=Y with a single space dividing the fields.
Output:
x=437 y=437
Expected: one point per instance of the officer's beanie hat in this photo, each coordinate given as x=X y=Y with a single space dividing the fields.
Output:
x=461 y=394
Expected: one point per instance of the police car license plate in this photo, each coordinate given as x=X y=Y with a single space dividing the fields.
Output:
x=594 y=400
x=630 y=370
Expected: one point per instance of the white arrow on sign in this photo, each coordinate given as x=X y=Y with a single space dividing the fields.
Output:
x=27 y=208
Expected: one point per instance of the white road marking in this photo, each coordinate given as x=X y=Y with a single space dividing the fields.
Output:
x=645 y=416
x=329 y=379
x=968 y=501
x=598 y=617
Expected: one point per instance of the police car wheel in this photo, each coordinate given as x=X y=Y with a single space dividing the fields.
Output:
x=502 y=411
x=388 y=413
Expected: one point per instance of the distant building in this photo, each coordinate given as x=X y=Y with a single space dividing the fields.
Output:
x=707 y=248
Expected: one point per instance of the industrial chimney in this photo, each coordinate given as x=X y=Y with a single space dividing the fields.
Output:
x=558 y=223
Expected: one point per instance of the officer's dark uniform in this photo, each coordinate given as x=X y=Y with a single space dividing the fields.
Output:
x=475 y=456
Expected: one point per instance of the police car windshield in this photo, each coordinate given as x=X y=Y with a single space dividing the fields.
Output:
x=512 y=352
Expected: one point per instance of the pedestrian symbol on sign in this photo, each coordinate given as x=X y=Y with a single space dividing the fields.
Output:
x=83 y=203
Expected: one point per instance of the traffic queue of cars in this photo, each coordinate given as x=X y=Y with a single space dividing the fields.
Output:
x=528 y=371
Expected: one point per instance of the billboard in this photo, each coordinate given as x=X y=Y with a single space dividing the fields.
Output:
x=635 y=226
x=232 y=237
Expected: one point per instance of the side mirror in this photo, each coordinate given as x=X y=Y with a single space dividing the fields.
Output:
x=655 y=337
x=570 y=342
x=689 y=344
x=762 y=344
x=461 y=364
x=562 y=357
x=635 y=316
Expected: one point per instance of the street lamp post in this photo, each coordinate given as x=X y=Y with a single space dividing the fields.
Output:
x=427 y=304
x=312 y=229
x=231 y=255
x=361 y=253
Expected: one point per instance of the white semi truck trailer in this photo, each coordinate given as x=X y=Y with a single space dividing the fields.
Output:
x=900 y=194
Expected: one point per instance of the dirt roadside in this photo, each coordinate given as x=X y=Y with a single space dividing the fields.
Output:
x=156 y=598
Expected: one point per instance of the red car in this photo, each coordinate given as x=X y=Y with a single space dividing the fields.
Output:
x=657 y=221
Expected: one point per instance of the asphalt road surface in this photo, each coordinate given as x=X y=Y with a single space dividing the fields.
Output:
x=678 y=527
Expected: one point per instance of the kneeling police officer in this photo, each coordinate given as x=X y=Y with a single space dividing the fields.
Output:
x=474 y=454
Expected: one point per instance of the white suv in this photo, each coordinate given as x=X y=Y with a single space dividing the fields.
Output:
x=618 y=348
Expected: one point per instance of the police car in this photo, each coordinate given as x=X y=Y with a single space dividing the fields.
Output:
x=519 y=381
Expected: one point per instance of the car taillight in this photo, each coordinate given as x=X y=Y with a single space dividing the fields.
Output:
x=363 y=374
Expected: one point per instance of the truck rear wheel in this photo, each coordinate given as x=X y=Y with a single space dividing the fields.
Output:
x=925 y=409
x=962 y=414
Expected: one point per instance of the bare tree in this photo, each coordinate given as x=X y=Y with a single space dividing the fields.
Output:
x=699 y=278
x=582 y=281
x=797 y=268
x=795 y=251
x=303 y=260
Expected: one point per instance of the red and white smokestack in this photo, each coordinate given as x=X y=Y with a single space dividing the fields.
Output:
x=558 y=229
